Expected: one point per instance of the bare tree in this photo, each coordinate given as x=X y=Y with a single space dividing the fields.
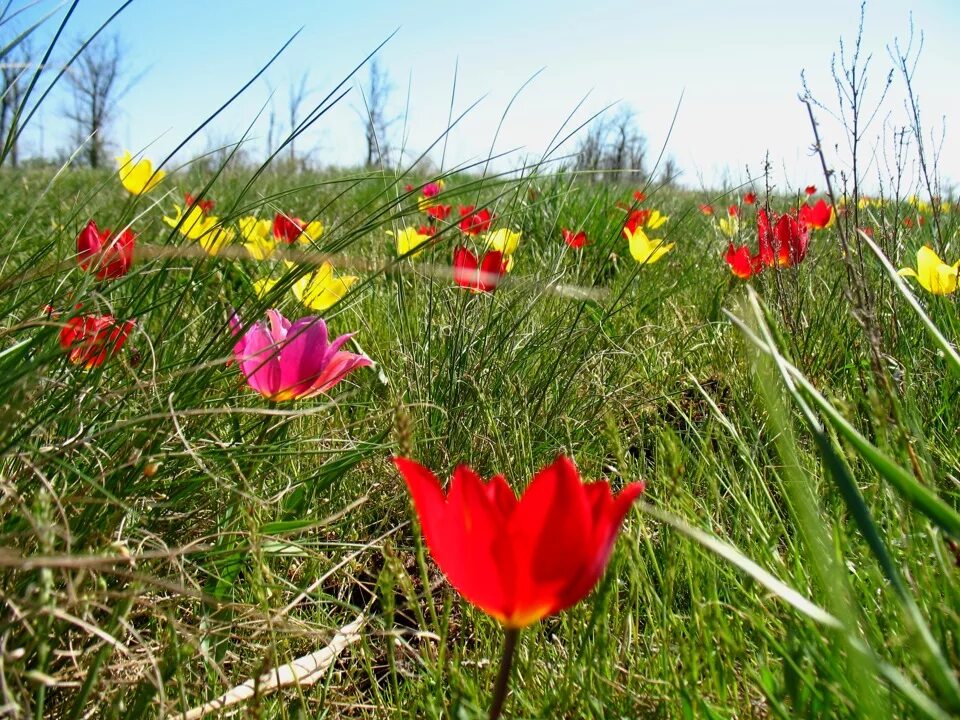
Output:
x=376 y=96
x=14 y=78
x=613 y=145
x=94 y=81
x=669 y=173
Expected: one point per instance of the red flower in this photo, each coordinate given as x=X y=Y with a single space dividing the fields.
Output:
x=733 y=211
x=787 y=239
x=478 y=275
x=206 y=206
x=706 y=209
x=750 y=198
x=519 y=560
x=431 y=190
x=811 y=190
x=430 y=230
x=636 y=219
x=110 y=258
x=783 y=243
x=908 y=222
x=408 y=188
x=639 y=195
x=740 y=261
x=91 y=339
x=474 y=223
x=439 y=212
x=816 y=216
x=574 y=239
x=286 y=228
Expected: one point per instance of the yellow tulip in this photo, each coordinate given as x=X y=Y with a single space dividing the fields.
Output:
x=263 y=287
x=656 y=219
x=205 y=229
x=730 y=226
x=258 y=237
x=408 y=240
x=321 y=289
x=195 y=225
x=138 y=177
x=214 y=241
x=503 y=240
x=311 y=232
x=644 y=250
x=933 y=274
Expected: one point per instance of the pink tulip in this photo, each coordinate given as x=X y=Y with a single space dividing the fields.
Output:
x=288 y=361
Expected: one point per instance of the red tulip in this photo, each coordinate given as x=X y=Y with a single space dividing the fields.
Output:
x=408 y=188
x=287 y=228
x=706 y=209
x=817 y=216
x=750 y=198
x=429 y=230
x=740 y=261
x=206 y=206
x=439 y=212
x=478 y=275
x=811 y=190
x=109 y=258
x=519 y=560
x=639 y=195
x=782 y=243
x=636 y=219
x=574 y=239
x=474 y=223
x=733 y=211
x=90 y=339
x=788 y=238
x=431 y=190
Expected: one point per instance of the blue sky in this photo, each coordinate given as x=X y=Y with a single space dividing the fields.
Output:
x=736 y=63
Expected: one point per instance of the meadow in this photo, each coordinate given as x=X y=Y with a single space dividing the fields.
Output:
x=170 y=528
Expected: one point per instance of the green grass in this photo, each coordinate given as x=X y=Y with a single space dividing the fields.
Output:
x=263 y=529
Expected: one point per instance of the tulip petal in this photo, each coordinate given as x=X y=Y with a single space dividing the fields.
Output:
x=549 y=531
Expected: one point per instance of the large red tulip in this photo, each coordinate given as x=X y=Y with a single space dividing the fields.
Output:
x=788 y=237
x=479 y=275
x=108 y=258
x=519 y=560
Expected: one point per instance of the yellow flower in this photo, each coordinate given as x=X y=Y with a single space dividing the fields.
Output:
x=656 y=219
x=321 y=289
x=645 y=250
x=503 y=240
x=205 y=229
x=933 y=274
x=311 y=232
x=263 y=287
x=409 y=239
x=138 y=177
x=258 y=236
x=194 y=226
x=730 y=226
x=217 y=239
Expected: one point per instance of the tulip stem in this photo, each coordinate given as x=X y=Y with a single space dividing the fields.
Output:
x=510 y=636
